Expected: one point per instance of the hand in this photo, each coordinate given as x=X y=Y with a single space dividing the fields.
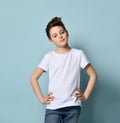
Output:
x=47 y=99
x=79 y=95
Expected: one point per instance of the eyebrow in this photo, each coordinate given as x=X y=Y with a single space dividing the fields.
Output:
x=56 y=33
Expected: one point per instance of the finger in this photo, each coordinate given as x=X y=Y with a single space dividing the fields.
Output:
x=48 y=102
x=79 y=95
x=82 y=97
x=51 y=98
x=50 y=95
x=78 y=92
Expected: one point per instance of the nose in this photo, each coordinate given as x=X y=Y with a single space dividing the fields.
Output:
x=60 y=36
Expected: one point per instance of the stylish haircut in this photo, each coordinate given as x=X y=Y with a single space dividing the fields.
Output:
x=56 y=21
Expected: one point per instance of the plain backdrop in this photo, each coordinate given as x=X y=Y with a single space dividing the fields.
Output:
x=94 y=27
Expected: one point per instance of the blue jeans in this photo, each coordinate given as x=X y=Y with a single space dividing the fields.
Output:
x=63 y=115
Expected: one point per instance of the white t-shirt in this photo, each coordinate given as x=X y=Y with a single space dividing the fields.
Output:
x=64 y=76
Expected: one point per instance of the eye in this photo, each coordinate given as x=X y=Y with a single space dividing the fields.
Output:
x=62 y=32
x=54 y=36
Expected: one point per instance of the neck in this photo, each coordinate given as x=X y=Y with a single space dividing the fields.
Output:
x=63 y=50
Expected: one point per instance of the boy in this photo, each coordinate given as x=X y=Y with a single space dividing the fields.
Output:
x=64 y=65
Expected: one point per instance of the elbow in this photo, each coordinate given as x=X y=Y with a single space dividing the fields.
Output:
x=32 y=79
x=95 y=77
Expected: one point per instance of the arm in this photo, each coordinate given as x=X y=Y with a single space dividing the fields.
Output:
x=35 y=85
x=91 y=83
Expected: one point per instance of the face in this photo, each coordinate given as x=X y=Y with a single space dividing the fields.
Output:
x=59 y=36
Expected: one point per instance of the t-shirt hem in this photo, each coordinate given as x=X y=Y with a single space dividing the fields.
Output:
x=86 y=65
x=42 y=68
x=63 y=106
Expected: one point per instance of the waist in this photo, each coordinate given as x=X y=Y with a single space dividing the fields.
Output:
x=56 y=104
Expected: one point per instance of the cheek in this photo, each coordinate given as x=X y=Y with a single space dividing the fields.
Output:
x=53 y=41
x=66 y=35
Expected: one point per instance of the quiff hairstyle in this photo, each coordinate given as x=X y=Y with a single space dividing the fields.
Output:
x=56 y=21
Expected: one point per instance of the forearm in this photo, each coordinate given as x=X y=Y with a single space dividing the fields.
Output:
x=90 y=86
x=36 y=89
x=35 y=85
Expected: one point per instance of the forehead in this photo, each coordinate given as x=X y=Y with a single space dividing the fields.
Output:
x=56 y=29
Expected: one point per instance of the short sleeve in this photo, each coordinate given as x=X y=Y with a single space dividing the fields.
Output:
x=44 y=64
x=84 y=60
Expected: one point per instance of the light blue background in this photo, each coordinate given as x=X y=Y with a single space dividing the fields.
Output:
x=94 y=26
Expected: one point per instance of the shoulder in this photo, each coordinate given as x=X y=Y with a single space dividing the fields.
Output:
x=48 y=54
x=77 y=51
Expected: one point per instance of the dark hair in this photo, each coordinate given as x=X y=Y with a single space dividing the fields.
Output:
x=56 y=21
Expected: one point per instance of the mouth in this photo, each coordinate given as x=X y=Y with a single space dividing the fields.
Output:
x=62 y=40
